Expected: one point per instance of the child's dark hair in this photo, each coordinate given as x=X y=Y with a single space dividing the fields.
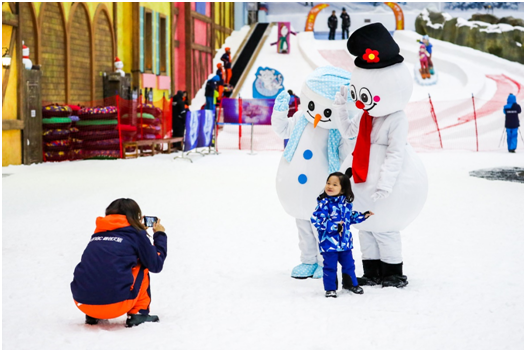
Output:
x=128 y=207
x=345 y=182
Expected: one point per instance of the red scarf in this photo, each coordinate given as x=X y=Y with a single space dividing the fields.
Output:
x=360 y=161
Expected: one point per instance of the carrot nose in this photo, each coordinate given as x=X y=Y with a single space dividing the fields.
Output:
x=317 y=119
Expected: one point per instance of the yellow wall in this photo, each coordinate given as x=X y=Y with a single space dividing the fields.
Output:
x=124 y=35
x=11 y=140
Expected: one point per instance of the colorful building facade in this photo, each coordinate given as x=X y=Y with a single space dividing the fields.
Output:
x=164 y=46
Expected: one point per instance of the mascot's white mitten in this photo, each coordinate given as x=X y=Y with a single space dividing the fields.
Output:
x=379 y=194
x=282 y=102
x=340 y=107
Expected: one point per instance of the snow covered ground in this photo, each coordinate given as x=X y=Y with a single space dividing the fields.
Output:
x=226 y=282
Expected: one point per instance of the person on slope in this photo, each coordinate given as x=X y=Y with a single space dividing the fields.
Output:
x=113 y=276
x=512 y=111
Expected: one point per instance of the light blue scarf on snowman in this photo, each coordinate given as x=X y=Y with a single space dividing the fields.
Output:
x=325 y=81
x=332 y=149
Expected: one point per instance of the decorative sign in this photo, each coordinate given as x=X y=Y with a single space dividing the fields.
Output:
x=268 y=83
x=311 y=18
x=256 y=111
x=283 y=37
x=199 y=129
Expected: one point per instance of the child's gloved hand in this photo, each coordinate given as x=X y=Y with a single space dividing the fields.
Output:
x=282 y=101
x=379 y=194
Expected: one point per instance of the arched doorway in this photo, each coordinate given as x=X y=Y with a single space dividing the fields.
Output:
x=53 y=51
x=104 y=50
x=80 y=55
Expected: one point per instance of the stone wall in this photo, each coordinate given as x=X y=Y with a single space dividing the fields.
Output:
x=502 y=37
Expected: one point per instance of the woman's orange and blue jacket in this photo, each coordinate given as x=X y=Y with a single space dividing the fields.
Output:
x=104 y=274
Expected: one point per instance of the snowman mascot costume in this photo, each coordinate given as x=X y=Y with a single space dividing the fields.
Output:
x=314 y=150
x=388 y=176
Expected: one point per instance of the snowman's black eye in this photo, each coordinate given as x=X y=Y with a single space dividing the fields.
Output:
x=311 y=105
x=365 y=96
x=353 y=93
x=327 y=112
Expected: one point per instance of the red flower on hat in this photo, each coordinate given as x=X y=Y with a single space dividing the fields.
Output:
x=371 y=56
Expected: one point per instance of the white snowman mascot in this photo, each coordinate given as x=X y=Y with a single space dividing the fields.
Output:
x=314 y=150
x=118 y=66
x=388 y=176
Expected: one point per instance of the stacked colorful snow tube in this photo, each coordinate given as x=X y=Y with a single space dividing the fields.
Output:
x=97 y=135
x=56 y=124
x=151 y=121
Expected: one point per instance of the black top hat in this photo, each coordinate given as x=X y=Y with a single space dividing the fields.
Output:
x=374 y=47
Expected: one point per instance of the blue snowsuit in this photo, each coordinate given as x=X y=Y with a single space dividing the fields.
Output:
x=335 y=246
x=512 y=111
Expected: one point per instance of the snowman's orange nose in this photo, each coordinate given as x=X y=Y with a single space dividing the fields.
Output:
x=317 y=119
x=359 y=105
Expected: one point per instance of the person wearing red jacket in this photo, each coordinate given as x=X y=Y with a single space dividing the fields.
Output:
x=112 y=278
x=227 y=64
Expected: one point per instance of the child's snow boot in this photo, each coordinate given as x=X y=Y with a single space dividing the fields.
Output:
x=304 y=271
x=331 y=294
x=372 y=273
x=347 y=285
x=91 y=321
x=136 y=319
x=392 y=275
x=432 y=70
x=318 y=274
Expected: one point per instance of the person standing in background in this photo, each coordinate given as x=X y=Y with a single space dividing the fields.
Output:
x=346 y=23
x=512 y=111
x=179 y=116
x=227 y=64
x=221 y=74
x=332 y=22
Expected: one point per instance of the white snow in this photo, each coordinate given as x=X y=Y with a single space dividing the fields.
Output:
x=226 y=282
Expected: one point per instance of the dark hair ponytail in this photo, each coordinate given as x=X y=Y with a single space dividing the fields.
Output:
x=129 y=208
x=345 y=183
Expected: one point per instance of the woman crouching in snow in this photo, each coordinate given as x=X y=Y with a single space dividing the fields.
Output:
x=113 y=278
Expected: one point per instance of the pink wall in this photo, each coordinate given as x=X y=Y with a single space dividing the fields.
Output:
x=179 y=62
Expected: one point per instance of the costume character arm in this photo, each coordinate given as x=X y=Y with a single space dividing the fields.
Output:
x=394 y=156
x=281 y=124
x=348 y=128
x=152 y=257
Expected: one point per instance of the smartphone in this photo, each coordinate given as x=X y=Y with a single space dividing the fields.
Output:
x=150 y=220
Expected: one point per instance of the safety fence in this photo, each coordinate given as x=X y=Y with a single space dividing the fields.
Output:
x=470 y=123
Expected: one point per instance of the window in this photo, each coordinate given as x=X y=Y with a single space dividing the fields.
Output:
x=162 y=44
x=148 y=40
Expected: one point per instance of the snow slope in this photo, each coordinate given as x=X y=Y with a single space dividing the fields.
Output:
x=226 y=282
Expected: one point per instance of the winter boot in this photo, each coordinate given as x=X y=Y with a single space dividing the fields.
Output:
x=91 y=321
x=331 y=294
x=356 y=289
x=304 y=271
x=392 y=276
x=318 y=274
x=372 y=273
x=136 y=319
x=432 y=70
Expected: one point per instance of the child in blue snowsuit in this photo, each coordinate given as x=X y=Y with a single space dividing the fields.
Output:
x=333 y=218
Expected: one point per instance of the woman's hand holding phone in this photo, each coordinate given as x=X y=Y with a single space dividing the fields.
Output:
x=157 y=226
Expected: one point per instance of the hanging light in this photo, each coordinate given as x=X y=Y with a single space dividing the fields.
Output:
x=6 y=59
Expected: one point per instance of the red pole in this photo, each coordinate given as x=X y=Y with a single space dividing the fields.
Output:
x=217 y=121
x=119 y=125
x=240 y=119
x=140 y=102
x=475 y=115
x=434 y=116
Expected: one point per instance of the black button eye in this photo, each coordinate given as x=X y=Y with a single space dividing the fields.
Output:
x=327 y=112
x=364 y=97
x=311 y=105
